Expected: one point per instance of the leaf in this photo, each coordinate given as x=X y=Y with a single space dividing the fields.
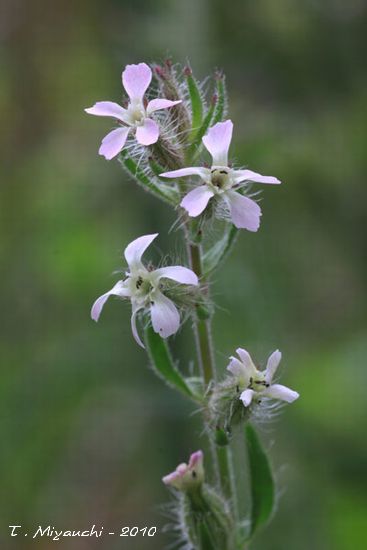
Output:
x=156 y=168
x=160 y=190
x=197 y=387
x=195 y=147
x=214 y=114
x=163 y=364
x=217 y=253
x=196 y=104
x=220 y=107
x=261 y=480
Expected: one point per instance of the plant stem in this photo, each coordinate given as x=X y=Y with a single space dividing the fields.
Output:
x=222 y=455
x=203 y=327
x=223 y=459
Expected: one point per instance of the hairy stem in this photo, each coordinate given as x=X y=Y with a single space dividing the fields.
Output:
x=222 y=455
x=203 y=327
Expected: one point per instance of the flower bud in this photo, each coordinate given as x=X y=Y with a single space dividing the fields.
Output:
x=187 y=477
x=203 y=515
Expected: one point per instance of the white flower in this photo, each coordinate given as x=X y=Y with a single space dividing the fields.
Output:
x=142 y=287
x=258 y=384
x=222 y=181
x=135 y=80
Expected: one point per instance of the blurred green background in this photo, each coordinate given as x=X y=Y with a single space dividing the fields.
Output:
x=87 y=431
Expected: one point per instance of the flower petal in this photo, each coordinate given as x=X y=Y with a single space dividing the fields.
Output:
x=204 y=173
x=118 y=290
x=134 y=251
x=196 y=200
x=134 y=330
x=195 y=458
x=277 y=391
x=170 y=479
x=113 y=143
x=245 y=358
x=245 y=212
x=272 y=365
x=249 y=175
x=246 y=397
x=237 y=368
x=218 y=140
x=136 y=79
x=177 y=273
x=107 y=108
x=157 y=104
x=148 y=133
x=165 y=317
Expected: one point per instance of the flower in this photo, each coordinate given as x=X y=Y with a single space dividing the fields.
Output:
x=135 y=80
x=187 y=476
x=222 y=182
x=258 y=384
x=142 y=286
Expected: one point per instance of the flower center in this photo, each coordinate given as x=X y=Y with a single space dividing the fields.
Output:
x=220 y=179
x=258 y=382
x=141 y=288
x=136 y=114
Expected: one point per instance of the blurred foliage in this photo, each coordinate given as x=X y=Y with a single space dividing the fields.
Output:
x=87 y=431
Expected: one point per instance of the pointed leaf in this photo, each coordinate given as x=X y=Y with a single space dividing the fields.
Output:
x=214 y=114
x=163 y=364
x=196 y=104
x=160 y=190
x=221 y=105
x=261 y=480
x=197 y=387
x=196 y=145
x=220 y=249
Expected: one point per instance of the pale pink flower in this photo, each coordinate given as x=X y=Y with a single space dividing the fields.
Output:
x=222 y=182
x=258 y=384
x=143 y=288
x=187 y=476
x=135 y=80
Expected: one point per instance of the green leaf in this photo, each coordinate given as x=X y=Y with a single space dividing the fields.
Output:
x=196 y=104
x=220 y=107
x=163 y=364
x=214 y=114
x=197 y=387
x=160 y=190
x=195 y=146
x=156 y=168
x=218 y=252
x=261 y=480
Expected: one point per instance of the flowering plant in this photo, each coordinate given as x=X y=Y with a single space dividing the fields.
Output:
x=159 y=142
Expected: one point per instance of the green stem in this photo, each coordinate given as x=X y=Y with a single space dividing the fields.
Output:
x=225 y=461
x=203 y=327
x=222 y=455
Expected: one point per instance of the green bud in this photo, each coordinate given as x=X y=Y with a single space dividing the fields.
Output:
x=204 y=311
x=207 y=520
x=221 y=438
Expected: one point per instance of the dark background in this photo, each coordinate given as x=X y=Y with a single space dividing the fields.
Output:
x=87 y=431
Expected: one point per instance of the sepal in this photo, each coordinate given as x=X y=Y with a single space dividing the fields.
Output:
x=225 y=410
